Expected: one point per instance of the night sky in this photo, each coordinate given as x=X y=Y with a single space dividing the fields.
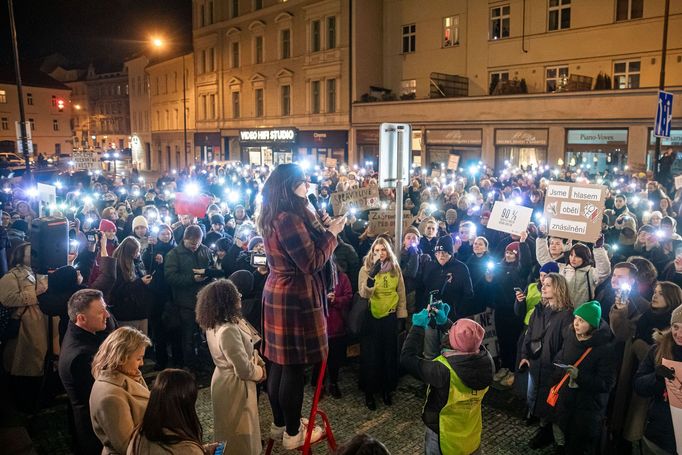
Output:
x=101 y=31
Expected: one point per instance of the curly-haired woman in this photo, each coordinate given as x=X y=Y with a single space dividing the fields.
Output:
x=231 y=341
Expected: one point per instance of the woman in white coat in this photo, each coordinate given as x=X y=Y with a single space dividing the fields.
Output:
x=231 y=341
x=586 y=269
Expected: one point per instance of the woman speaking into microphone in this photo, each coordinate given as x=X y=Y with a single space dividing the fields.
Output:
x=298 y=245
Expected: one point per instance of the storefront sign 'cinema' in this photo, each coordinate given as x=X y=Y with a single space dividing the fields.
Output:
x=574 y=210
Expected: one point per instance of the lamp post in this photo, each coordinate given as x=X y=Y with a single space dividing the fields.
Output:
x=17 y=69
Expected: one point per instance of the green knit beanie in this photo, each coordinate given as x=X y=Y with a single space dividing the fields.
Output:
x=590 y=312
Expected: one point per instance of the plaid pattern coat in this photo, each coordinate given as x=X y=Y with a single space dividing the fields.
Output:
x=294 y=297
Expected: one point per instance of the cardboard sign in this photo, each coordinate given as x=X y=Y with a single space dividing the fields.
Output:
x=191 y=205
x=360 y=199
x=674 y=389
x=487 y=321
x=47 y=195
x=330 y=162
x=435 y=173
x=453 y=162
x=87 y=161
x=574 y=210
x=678 y=182
x=509 y=218
x=383 y=221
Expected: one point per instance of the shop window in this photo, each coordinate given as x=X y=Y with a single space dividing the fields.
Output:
x=626 y=74
x=559 y=15
x=235 y=104
x=408 y=87
x=258 y=49
x=499 y=22
x=285 y=39
x=409 y=38
x=555 y=77
x=629 y=9
x=29 y=99
x=496 y=78
x=331 y=95
x=450 y=31
x=286 y=100
x=315 y=97
x=3 y=96
x=315 y=38
x=331 y=32
x=55 y=125
x=258 y=95
x=235 y=54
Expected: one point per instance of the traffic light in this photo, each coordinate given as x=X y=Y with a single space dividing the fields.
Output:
x=60 y=105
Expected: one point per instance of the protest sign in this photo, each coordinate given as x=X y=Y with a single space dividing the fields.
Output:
x=191 y=205
x=678 y=182
x=574 y=210
x=509 y=218
x=453 y=162
x=674 y=389
x=47 y=195
x=487 y=321
x=383 y=221
x=435 y=173
x=360 y=199
x=88 y=161
x=330 y=162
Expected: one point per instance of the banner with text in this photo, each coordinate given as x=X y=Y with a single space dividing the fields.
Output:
x=88 y=161
x=383 y=221
x=509 y=218
x=574 y=210
x=360 y=199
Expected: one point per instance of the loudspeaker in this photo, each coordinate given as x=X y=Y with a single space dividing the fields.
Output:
x=49 y=243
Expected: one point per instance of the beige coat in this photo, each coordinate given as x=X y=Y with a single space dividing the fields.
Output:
x=117 y=406
x=233 y=387
x=139 y=445
x=24 y=355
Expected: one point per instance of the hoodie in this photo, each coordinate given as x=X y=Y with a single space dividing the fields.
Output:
x=476 y=372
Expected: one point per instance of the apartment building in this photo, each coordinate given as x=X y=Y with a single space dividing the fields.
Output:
x=515 y=81
x=139 y=102
x=272 y=80
x=47 y=109
x=172 y=108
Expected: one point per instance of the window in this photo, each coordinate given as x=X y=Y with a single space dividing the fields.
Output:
x=235 y=104
x=626 y=74
x=3 y=96
x=258 y=95
x=409 y=38
x=202 y=15
x=54 y=101
x=58 y=148
x=315 y=97
x=286 y=100
x=408 y=87
x=499 y=22
x=32 y=122
x=209 y=60
x=285 y=39
x=29 y=99
x=559 y=14
x=258 y=49
x=210 y=13
x=5 y=123
x=555 y=77
x=331 y=32
x=315 y=42
x=450 y=31
x=331 y=95
x=167 y=122
x=235 y=55
x=211 y=106
x=629 y=9
x=257 y=4
x=234 y=9
x=496 y=77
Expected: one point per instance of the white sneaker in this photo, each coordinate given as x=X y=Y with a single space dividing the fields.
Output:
x=501 y=373
x=293 y=442
x=276 y=432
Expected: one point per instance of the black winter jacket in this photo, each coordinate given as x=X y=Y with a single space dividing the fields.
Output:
x=457 y=293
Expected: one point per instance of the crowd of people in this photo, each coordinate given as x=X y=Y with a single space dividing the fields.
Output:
x=270 y=283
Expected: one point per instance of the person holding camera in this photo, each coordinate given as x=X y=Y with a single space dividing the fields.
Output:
x=107 y=231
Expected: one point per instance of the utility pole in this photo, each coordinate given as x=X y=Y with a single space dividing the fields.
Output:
x=20 y=91
x=661 y=82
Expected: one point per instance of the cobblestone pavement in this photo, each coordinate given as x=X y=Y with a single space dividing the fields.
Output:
x=398 y=426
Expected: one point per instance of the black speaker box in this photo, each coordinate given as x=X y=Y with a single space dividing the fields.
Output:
x=49 y=243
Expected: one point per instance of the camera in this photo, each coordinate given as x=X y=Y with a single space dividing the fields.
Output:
x=93 y=235
x=258 y=259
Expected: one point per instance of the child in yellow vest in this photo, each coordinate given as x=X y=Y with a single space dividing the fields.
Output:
x=457 y=379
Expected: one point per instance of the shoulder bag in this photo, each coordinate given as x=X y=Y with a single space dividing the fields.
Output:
x=554 y=391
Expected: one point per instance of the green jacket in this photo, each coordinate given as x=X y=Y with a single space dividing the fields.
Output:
x=178 y=272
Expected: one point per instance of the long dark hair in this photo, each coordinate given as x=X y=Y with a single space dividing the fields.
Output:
x=171 y=416
x=278 y=196
x=125 y=254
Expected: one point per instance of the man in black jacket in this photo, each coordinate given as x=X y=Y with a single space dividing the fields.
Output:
x=87 y=316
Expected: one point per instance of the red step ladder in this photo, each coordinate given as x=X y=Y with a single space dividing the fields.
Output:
x=328 y=436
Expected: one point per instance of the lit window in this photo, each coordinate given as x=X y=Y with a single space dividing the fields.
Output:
x=626 y=74
x=450 y=31
x=555 y=77
x=3 y=96
x=408 y=87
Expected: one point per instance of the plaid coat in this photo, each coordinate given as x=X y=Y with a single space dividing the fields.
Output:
x=294 y=297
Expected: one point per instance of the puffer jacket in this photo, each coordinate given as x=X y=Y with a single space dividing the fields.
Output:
x=583 y=281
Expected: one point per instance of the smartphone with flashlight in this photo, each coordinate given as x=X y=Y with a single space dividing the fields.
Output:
x=258 y=259
x=518 y=290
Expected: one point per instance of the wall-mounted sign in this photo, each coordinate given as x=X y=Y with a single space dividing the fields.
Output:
x=454 y=137
x=521 y=137
x=597 y=137
x=675 y=138
x=268 y=135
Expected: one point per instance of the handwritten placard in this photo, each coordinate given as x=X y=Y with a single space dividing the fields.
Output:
x=509 y=218
x=360 y=199
x=453 y=162
x=574 y=210
x=383 y=221
x=678 y=182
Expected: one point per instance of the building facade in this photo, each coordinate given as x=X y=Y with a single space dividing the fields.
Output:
x=522 y=82
x=272 y=80
x=139 y=102
x=47 y=110
x=172 y=108
x=109 y=109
